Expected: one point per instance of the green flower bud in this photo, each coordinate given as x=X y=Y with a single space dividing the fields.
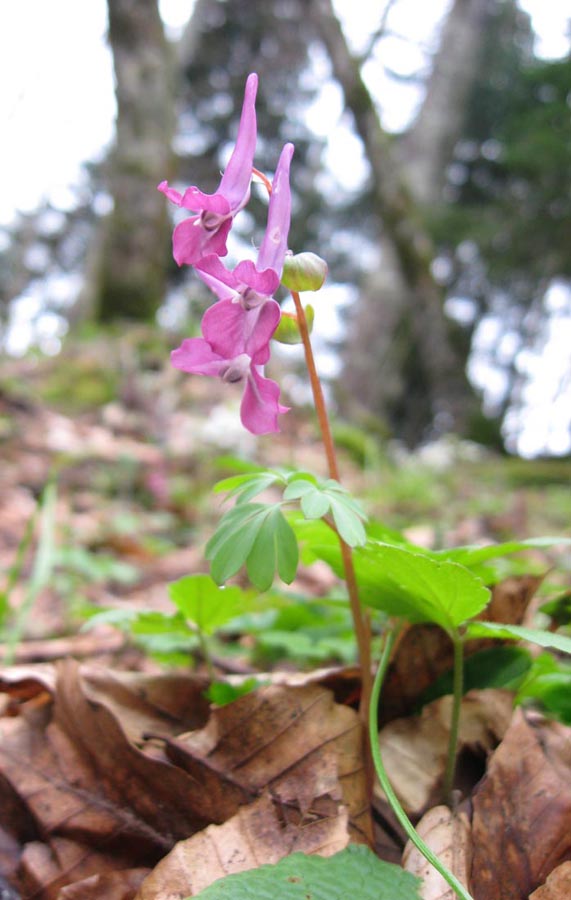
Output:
x=287 y=331
x=304 y=272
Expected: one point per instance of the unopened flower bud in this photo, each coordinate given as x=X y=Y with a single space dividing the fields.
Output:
x=287 y=331
x=304 y=272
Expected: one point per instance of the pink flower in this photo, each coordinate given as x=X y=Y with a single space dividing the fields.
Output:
x=234 y=347
x=251 y=284
x=207 y=232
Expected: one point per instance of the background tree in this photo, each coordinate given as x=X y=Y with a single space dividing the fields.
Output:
x=130 y=275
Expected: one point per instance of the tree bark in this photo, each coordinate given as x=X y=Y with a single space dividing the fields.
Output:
x=403 y=305
x=131 y=270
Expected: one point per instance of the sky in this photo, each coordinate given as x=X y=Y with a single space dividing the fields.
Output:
x=57 y=103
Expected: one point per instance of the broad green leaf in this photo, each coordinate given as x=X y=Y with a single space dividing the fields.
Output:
x=552 y=641
x=495 y=667
x=206 y=604
x=417 y=587
x=318 y=497
x=471 y=556
x=355 y=872
x=548 y=681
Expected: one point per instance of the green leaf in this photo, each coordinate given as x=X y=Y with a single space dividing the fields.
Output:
x=494 y=667
x=206 y=604
x=355 y=872
x=222 y=693
x=229 y=547
x=347 y=521
x=549 y=682
x=319 y=496
x=287 y=550
x=275 y=548
x=471 y=556
x=315 y=505
x=552 y=641
x=417 y=587
x=246 y=487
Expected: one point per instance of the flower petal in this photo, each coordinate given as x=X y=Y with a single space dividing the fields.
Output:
x=190 y=241
x=197 y=201
x=174 y=196
x=231 y=330
x=195 y=355
x=217 y=277
x=274 y=245
x=263 y=281
x=260 y=404
x=235 y=183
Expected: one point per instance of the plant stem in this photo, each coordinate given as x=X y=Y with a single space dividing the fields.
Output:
x=396 y=807
x=458 y=689
x=359 y=624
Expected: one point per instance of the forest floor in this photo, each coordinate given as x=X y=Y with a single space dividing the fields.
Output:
x=110 y=754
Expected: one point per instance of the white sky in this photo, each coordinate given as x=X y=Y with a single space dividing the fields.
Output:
x=56 y=85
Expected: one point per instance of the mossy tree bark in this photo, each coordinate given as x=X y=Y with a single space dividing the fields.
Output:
x=131 y=271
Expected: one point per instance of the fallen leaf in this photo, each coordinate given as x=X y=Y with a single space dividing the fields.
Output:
x=113 y=886
x=296 y=742
x=414 y=749
x=521 y=823
x=557 y=886
x=99 y=802
x=448 y=835
x=259 y=833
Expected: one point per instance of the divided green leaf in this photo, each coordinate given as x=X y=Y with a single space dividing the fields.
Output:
x=354 y=872
x=257 y=535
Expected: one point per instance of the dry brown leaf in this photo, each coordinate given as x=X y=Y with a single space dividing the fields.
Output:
x=263 y=832
x=448 y=835
x=521 y=823
x=113 y=886
x=92 y=792
x=296 y=742
x=557 y=886
x=414 y=749
x=425 y=652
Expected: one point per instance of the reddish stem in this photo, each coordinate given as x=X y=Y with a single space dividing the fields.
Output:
x=360 y=624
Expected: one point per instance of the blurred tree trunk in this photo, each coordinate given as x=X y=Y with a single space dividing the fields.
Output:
x=403 y=360
x=131 y=268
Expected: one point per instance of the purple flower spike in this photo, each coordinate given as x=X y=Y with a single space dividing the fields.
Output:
x=251 y=284
x=207 y=232
x=234 y=346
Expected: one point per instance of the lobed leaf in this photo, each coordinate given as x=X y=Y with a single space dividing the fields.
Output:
x=206 y=604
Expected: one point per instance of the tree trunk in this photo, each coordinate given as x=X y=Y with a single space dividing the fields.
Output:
x=402 y=358
x=132 y=266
